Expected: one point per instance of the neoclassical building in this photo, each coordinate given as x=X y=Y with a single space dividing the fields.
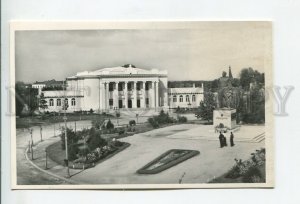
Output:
x=120 y=88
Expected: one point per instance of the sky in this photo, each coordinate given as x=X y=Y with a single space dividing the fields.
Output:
x=187 y=54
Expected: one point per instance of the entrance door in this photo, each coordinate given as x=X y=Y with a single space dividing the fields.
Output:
x=138 y=103
x=120 y=104
x=129 y=103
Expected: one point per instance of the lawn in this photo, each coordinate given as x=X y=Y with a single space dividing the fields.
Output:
x=26 y=122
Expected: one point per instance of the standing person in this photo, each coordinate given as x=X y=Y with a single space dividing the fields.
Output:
x=221 y=140
x=231 y=139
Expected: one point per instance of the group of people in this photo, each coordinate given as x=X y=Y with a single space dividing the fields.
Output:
x=223 y=140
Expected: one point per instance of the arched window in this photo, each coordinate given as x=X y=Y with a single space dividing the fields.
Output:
x=51 y=102
x=58 y=102
x=193 y=98
x=73 y=102
x=180 y=98
x=66 y=101
x=174 y=98
x=187 y=98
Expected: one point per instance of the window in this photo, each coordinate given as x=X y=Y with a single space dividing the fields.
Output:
x=111 y=102
x=66 y=101
x=110 y=86
x=138 y=86
x=180 y=98
x=193 y=98
x=174 y=98
x=73 y=102
x=187 y=98
x=51 y=102
x=58 y=102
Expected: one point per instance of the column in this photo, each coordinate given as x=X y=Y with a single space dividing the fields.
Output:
x=152 y=95
x=143 y=95
x=156 y=94
x=116 y=95
x=134 y=92
x=101 y=90
x=105 y=95
x=125 y=95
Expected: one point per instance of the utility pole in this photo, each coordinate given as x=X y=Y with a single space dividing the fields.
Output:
x=66 y=139
x=54 y=128
x=31 y=146
x=41 y=129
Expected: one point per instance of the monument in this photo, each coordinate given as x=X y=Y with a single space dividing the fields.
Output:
x=224 y=117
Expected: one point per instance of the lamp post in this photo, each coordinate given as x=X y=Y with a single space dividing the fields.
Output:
x=41 y=129
x=31 y=145
x=66 y=139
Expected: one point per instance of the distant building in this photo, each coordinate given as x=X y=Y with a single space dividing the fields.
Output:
x=186 y=97
x=50 y=85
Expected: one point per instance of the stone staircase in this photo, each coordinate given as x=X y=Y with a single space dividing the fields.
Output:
x=259 y=138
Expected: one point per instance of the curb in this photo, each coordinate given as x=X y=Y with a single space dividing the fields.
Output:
x=47 y=172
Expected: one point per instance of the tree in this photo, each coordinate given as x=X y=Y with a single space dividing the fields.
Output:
x=109 y=125
x=25 y=96
x=224 y=74
x=43 y=103
x=230 y=74
x=206 y=108
x=249 y=75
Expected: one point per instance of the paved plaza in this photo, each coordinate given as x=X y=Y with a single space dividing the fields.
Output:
x=212 y=161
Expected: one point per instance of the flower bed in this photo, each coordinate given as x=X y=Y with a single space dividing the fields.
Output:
x=167 y=160
x=93 y=158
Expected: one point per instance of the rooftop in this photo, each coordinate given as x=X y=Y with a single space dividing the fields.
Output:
x=127 y=69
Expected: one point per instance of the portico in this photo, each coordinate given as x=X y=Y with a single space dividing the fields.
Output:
x=127 y=93
x=120 y=88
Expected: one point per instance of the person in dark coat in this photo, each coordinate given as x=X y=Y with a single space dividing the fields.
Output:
x=231 y=139
x=221 y=140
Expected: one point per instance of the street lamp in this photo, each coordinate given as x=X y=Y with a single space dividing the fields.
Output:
x=66 y=139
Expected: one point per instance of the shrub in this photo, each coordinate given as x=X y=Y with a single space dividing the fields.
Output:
x=132 y=122
x=182 y=119
x=153 y=122
x=95 y=140
x=91 y=111
x=109 y=125
x=73 y=151
x=253 y=175
x=121 y=132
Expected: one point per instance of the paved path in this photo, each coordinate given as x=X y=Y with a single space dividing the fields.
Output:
x=26 y=173
x=212 y=161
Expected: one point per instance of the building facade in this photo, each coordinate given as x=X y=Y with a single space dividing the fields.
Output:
x=185 y=97
x=111 y=89
x=120 y=88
